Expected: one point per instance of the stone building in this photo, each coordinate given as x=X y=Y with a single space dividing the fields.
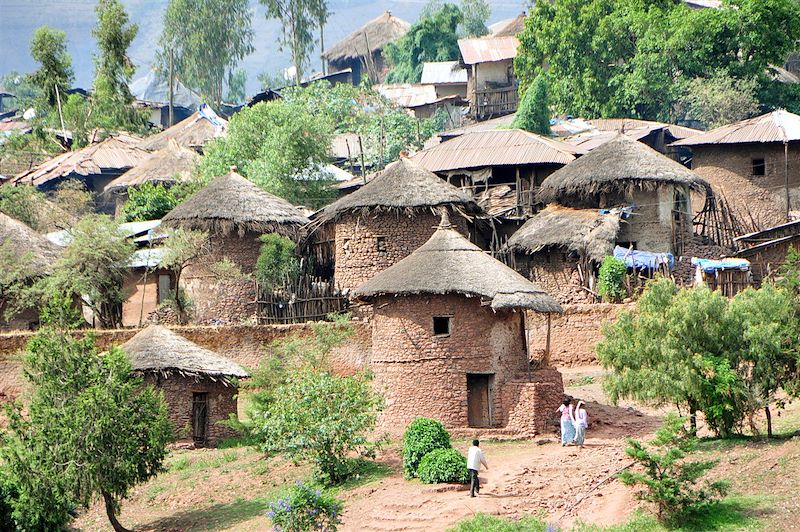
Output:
x=754 y=164
x=622 y=193
x=200 y=387
x=449 y=340
x=235 y=213
x=385 y=220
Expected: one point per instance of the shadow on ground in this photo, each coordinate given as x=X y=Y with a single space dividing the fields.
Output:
x=214 y=517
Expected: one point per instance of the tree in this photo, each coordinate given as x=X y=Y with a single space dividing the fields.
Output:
x=476 y=14
x=90 y=428
x=14 y=277
x=237 y=83
x=277 y=263
x=207 y=39
x=534 y=111
x=299 y=19
x=431 y=38
x=113 y=67
x=720 y=99
x=183 y=247
x=150 y=202
x=49 y=49
x=23 y=203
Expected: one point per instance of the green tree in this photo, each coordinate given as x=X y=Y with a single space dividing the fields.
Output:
x=183 y=247
x=207 y=38
x=534 y=111
x=113 y=67
x=278 y=263
x=476 y=15
x=237 y=83
x=431 y=38
x=299 y=19
x=22 y=203
x=720 y=99
x=110 y=432
x=149 y=201
x=610 y=279
x=49 y=49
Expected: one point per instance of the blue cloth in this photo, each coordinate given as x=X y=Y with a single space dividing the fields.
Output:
x=567 y=431
x=643 y=259
x=208 y=113
x=711 y=265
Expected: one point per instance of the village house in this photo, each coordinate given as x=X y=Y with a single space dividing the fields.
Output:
x=754 y=164
x=766 y=250
x=200 y=387
x=193 y=133
x=491 y=84
x=422 y=101
x=151 y=93
x=235 y=212
x=384 y=221
x=622 y=193
x=362 y=50
x=447 y=77
x=146 y=287
x=449 y=340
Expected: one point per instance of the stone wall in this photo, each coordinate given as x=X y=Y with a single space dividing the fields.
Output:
x=535 y=404
x=650 y=225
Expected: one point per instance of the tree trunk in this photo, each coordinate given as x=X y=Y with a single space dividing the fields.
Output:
x=111 y=508
x=769 y=421
x=693 y=417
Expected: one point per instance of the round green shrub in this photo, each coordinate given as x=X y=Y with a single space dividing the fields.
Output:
x=443 y=465
x=610 y=279
x=422 y=436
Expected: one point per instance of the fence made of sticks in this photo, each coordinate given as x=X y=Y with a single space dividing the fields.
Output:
x=307 y=299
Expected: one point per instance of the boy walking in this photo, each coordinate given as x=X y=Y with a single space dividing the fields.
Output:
x=474 y=460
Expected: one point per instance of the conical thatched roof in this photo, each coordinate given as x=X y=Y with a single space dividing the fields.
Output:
x=617 y=164
x=193 y=132
x=167 y=165
x=586 y=231
x=158 y=349
x=377 y=32
x=233 y=203
x=448 y=263
x=404 y=185
x=23 y=240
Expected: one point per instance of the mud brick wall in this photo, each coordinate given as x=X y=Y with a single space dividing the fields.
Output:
x=650 y=225
x=535 y=404
x=552 y=271
x=729 y=169
x=178 y=394
x=421 y=374
x=370 y=243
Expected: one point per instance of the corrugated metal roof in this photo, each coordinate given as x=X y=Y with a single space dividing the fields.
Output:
x=443 y=72
x=777 y=126
x=487 y=49
x=500 y=147
x=147 y=258
x=411 y=95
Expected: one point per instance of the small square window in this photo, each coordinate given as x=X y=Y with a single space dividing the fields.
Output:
x=381 y=243
x=441 y=325
x=759 y=167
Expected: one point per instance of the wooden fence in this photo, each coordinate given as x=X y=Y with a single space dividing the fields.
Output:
x=308 y=299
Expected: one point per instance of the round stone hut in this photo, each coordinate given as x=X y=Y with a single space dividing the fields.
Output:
x=449 y=340
x=235 y=212
x=199 y=385
x=386 y=219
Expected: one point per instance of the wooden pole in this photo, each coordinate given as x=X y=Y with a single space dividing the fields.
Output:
x=171 y=89
x=60 y=114
x=786 y=177
x=547 y=345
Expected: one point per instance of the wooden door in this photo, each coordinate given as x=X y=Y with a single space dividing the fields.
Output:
x=479 y=400
x=199 y=418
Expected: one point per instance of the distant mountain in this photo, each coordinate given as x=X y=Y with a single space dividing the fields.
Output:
x=19 y=18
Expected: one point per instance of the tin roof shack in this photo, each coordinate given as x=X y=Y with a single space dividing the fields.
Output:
x=200 y=387
x=36 y=256
x=151 y=92
x=491 y=84
x=382 y=222
x=754 y=164
x=766 y=250
x=193 y=133
x=447 y=77
x=362 y=50
x=449 y=342
x=146 y=287
x=236 y=213
x=422 y=101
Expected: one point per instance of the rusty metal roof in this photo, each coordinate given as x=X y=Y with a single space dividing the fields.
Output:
x=488 y=49
x=411 y=95
x=499 y=147
x=443 y=72
x=777 y=126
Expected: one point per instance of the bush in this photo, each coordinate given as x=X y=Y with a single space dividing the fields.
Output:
x=422 y=436
x=443 y=465
x=277 y=261
x=610 y=279
x=305 y=508
x=669 y=481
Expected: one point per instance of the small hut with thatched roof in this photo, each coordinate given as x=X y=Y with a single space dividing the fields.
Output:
x=449 y=340
x=385 y=220
x=200 y=386
x=25 y=255
x=362 y=50
x=235 y=212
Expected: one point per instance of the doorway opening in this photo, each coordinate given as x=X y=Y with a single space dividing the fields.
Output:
x=480 y=388
x=199 y=418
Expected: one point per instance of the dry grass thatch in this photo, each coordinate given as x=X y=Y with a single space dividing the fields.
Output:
x=233 y=203
x=168 y=165
x=584 y=231
x=23 y=240
x=616 y=165
x=193 y=132
x=404 y=185
x=377 y=32
x=448 y=263
x=157 y=349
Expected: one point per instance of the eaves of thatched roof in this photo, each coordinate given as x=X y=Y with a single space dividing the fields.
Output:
x=158 y=349
x=372 y=36
x=25 y=242
x=168 y=165
x=616 y=165
x=448 y=263
x=587 y=232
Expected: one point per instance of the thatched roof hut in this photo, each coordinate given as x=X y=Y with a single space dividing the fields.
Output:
x=587 y=232
x=376 y=34
x=193 y=132
x=402 y=186
x=615 y=166
x=159 y=350
x=24 y=240
x=448 y=263
x=233 y=203
x=166 y=166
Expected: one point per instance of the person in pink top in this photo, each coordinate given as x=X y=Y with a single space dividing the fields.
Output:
x=581 y=421
x=567 y=425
